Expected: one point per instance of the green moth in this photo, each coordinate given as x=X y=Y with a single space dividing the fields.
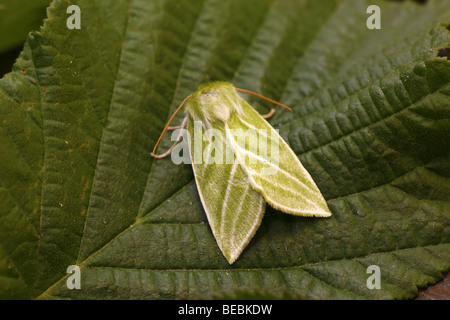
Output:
x=240 y=163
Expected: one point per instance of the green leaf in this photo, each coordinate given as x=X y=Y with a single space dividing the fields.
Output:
x=17 y=18
x=11 y=285
x=82 y=110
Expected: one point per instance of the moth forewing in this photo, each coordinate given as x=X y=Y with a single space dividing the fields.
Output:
x=286 y=186
x=233 y=208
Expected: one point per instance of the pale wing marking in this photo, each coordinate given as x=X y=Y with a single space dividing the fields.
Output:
x=255 y=226
x=294 y=192
x=225 y=200
x=272 y=165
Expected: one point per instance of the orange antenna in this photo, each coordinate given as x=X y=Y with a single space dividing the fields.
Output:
x=153 y=154
x=262 y=97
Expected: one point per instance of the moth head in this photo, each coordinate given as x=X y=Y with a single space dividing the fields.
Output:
x=213 y=102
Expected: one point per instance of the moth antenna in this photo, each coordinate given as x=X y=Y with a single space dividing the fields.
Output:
x=180 y=134
x=265 y=98
x=153 y=154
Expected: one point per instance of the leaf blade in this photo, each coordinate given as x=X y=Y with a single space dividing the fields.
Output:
x=386 y=184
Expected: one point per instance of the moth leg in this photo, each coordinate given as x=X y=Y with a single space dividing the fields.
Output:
x=178 y=140
x=268 y=115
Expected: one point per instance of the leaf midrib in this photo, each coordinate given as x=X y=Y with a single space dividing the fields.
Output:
x=105 y=127
x=169 y=109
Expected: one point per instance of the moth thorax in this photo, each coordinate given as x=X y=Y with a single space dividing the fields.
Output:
x=217 y=106
x=214 y=102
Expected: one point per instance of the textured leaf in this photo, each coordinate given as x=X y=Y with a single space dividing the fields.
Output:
x=17 y=18
x=82 y=110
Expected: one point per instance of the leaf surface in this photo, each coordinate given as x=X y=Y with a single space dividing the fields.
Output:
x=82 y=110
x=17 y=18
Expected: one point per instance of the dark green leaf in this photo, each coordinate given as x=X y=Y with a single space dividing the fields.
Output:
x=17 y=18
x=82 y=110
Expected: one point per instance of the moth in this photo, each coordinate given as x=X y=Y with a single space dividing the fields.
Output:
x=240 y=163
